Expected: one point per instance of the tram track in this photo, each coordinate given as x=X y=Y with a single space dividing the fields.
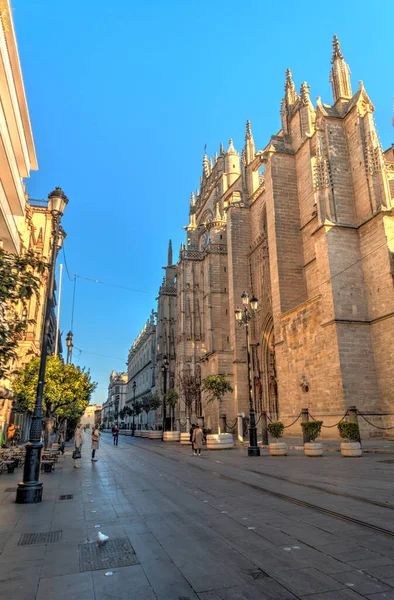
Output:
x=288 y=498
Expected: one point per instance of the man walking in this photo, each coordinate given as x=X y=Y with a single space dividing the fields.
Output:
x=115 y=433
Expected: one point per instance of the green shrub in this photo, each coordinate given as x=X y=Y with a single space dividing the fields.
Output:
x=276 y=429
x=207 y=432
x=312 y=429
x=349 y=431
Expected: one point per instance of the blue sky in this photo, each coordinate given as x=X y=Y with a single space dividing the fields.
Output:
x=124 y=95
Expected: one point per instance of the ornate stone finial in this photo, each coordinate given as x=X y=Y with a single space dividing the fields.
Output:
x=221 y=149
x=170 y=253
x=215 y=158
x=231 y=149
x=210 y=164
x=304 y=92
x=218 y=216
x=205 y=165
x=336 y=50
x=192 y=200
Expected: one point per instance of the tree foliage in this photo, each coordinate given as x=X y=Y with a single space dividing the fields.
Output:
x=171 y=399
x=216 y=387
x=20 y=279
x=67 y=390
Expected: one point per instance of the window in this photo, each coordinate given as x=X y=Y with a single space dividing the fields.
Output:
x=116 y=389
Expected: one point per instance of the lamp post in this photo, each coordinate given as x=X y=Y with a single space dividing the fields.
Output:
x=243 y=316
x=116 y=406
x=70 y=346
x=29 y=491
x=134 y=386
x=164 y=369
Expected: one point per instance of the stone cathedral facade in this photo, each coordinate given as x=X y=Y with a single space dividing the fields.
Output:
x=307 y=225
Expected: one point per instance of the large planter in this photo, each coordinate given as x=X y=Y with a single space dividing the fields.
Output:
x=137 y=433
x=220 y=441
x=171 y=436
x=351 y=449
x=155 y=435
x=313 y=449
x=278 y=448
x=145 y=433
x=185 y=439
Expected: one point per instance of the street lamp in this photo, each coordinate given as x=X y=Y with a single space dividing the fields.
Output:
x=134 y=386
x=243 y=316
x=30 y=490
x=164 y=368
x=70 y=346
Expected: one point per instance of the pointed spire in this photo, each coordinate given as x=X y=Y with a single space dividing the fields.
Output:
x=192 y=200
x=215 y=157
x=249 y=149
x=218 y=216
x=169 y=253
x=210 y=165
x=248 y=134
x=304 y=93
x=291 y=95
x=340 y=74
x=221 y=149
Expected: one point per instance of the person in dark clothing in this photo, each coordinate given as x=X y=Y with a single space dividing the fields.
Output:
x=192 y=428
x=115 y=433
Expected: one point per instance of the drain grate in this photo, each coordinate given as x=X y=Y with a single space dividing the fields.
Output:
x=257 y=574
x=10 y=490
x=66 y=497
x=111 y=555
x=33 y=539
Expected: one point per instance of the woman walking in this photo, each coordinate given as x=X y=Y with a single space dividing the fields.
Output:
x=197 y=439
x=78 y=441
x=95 y=442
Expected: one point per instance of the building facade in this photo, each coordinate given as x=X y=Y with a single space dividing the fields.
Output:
x=166 y=337
x=306 y=224
x=116 y=399
x=89 y=417
x=141 y=371
x=17 y=159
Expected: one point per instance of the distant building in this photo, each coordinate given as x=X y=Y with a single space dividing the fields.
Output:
x=116 y=399
x=141 y=369
x=88 y=418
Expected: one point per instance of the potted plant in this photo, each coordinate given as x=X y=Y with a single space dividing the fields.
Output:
x=276 y=431
x=312 y=430
x=350 y=433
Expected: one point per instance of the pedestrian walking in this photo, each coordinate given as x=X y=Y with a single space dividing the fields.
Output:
x=78 y=442
x=115 y=433
x=197 y=439
x=95 y=442
x=192 y=428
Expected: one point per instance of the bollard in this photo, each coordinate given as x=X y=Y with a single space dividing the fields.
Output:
x=354 y=419
x=264 y=430
x=305 y=419
x=240 y=417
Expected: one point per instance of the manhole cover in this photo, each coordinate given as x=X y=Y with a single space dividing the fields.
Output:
x=257 y=574
x=111 y=555
x=10 y=490
x=66 y=497
x=30 y=539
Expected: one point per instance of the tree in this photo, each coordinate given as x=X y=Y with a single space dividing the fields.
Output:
x=190 y=390
x=145 y=405
x=67 y=391
x=171 y=399
x=122 y=413
x=136 y=410
x=20 y=279
x=216 y=387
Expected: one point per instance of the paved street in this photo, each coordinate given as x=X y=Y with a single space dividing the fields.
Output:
x=217 y=527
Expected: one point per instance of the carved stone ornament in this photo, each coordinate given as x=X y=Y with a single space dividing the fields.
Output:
x=304 y=384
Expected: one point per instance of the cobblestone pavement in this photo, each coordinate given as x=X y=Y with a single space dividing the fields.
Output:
x=223 y=526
